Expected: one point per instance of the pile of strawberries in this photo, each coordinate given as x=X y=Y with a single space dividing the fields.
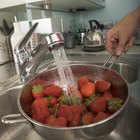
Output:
x=51 y=106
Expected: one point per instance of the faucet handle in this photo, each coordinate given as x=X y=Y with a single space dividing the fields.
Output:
x=21 y=49
x=30 y=61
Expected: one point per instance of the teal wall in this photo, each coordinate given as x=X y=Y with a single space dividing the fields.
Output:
x=114 y=10
x=68 y=20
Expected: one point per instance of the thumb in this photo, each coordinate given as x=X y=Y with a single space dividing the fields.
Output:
x=130 y=43
x=121 y=46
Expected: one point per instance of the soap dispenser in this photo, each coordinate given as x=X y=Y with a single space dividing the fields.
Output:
x=15 y=38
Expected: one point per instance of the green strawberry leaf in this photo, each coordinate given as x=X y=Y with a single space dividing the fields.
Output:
x=37 y=88
x=89 y=100
x=114 y=104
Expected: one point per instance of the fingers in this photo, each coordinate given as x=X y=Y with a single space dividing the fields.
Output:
x=124 y=45
x=111 y=42
x=130 y=43
x=121 y=42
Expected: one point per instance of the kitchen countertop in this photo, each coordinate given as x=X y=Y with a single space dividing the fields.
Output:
x=78 y=50
x=11 y=69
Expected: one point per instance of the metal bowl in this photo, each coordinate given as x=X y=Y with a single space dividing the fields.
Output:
x=91 y=131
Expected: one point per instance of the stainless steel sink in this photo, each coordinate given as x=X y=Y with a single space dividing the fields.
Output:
x=127 y=129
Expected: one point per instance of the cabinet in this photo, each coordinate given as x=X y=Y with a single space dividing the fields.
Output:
x=60 y=5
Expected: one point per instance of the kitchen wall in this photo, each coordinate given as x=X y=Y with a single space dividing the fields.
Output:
x=21 y=16
x=68 y=20
x=114 y=10
x=68 y=17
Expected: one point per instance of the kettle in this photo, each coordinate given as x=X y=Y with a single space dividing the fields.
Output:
x=94 y=37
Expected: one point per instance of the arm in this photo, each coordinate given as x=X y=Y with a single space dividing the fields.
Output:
x=121 y=36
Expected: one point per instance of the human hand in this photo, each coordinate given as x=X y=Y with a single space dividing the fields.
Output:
x=119 y=41
x=121 y=36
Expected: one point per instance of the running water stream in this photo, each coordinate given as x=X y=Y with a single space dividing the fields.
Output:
x=67 y=79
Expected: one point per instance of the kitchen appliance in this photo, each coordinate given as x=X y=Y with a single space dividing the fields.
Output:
x=94 y=38
x=80 y=36
x=91 y=131
x=69 y=40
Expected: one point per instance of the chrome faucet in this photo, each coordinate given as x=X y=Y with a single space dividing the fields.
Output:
x=28 y=59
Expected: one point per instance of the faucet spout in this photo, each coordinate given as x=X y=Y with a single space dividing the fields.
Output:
x=30 y=60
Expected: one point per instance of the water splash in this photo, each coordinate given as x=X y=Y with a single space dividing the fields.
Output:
x=67 y=79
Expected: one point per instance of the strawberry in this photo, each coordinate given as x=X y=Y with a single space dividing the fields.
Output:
x=65 y=111
x=89 y=100
x=63 y=99
x=53 y=90
x=100 y=116
x=114 y=104
x=40 y=109
x=60 y=121
x=51 y=100
x=99 y=104
x=87 y=118
x=37 y=91
x=53 y=110
x=50 y=120
x=108 y=95
x=88 y=89
x=77 y=108
x=82 y=81
x=102 y=85
x=75 y=121
x=75 y=99
x=27 y=97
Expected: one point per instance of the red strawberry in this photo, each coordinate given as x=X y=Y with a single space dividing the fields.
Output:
x=61 y=121
x=77 y=108
x=53 y=90
x=40 y=109
x=89 y=100
x=87 y=118
x=88 y=89
x=51 y=100
x=99 y=104
x=65 y=111
x=27 y=97
x=100 y=116
x=53 y=110
x=102 y=85
x=108 y=95
x=50 y=120
x=38 y=91
x=114 y=104
x=82 y=81
x=75 y=121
